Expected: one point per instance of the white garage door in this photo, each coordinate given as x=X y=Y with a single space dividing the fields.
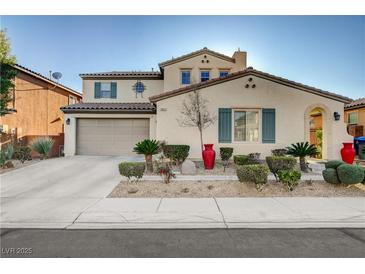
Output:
x=110 y=136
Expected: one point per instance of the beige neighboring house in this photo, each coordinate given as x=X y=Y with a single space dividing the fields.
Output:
x=256 y=111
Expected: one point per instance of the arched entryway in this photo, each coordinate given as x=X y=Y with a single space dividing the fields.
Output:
x=317 y=131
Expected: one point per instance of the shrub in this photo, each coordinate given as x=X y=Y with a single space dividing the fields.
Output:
x=302 y=150
x=290 y=178
x=226 y=154
x=279 y=152
x=177 y=153
x=253 y=173
x=241 y=159
x=23 y=153
x=254 y=158
x=333 y=164
x=330 y=176
x=350 y=174
x=164 y=169
x=43 y=145
x=277 y=163
x=132 y=170
x=6 y=154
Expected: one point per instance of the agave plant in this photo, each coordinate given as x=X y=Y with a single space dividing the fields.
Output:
x=302 y=150
x=148 y=148
x=43 y=145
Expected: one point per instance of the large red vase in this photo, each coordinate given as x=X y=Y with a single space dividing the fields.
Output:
x=348 y=153
x=208 y=156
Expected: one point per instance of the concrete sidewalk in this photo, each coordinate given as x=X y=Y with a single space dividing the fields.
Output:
x=129 y=213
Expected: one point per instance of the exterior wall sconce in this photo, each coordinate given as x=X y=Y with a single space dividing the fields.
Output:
x=337 y=116
x=68 y=121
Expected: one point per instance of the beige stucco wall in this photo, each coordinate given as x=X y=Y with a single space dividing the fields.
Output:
x=292 y=124
x=172 y=75
x=70 y=130
x=125 y=92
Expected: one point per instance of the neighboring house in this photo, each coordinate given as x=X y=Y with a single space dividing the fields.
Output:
x=355 y=117
x=36 y=109
x=256 y=111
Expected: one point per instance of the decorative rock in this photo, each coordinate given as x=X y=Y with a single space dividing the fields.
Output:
x=188 y=167
x=132 y=190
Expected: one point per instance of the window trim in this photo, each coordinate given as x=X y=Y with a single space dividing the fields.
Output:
x=259 y=140
x=181 y=78
x=357 y=117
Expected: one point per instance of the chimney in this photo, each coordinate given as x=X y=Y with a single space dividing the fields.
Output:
x=241 y=59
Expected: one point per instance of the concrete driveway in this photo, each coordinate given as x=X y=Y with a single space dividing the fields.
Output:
x=57 y=189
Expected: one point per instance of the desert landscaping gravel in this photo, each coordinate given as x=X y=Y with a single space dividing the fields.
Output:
x=231 y=189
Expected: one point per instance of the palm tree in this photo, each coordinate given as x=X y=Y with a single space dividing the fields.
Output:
x=147 y=148
x=302 y=150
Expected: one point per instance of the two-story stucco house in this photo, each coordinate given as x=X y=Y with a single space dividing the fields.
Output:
x=256 y=111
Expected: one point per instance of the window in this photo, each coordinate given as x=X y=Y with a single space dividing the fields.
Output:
x=72 y=100
x=204 y=75
x=246 y=126
x=223 y=73
x=185 y=77
x=105 y=90
x=352 y=118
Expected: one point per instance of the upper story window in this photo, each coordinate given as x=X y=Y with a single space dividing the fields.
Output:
x=352 y=118
x=105 y=90
x=185 y=77
x=72 y=100
x=223 y=73
x=204 y=75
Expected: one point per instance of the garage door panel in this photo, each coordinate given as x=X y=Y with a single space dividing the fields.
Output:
x=110 y=136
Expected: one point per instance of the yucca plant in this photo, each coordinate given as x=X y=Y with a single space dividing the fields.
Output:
x=43 y=145
x=302 y=150
x=148 y=148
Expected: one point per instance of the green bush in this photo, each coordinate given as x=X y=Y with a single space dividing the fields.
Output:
x=241 y=159
x=279 y=152
x=177 y=153
x=333 y=164
x=290 y=178
x=330 y=176
x=132 y=170
x=43 y=145
x=253 y=173
x=23 y=153
x=350 y=174
x=6 y=154
x=277 y=163
x=226 y=154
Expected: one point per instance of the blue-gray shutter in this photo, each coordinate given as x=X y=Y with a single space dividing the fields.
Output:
x=113 y=87
x=268 y=125
x=225 y=125
x=97 y=90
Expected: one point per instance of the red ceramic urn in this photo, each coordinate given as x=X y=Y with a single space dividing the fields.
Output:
x=208 y=156
x=348 y=153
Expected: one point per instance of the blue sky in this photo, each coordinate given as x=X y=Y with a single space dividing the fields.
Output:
x=327 y=52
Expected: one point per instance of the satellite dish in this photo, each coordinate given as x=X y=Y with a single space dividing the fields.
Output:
x=57 y=75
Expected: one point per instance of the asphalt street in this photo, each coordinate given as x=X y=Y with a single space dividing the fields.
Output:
x=201 y=243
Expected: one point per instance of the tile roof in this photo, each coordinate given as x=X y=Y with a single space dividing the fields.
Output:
x=44 y=78
x=250 y=71
x=110 y=107
x=356 y=104
x=195 y=53
x=123 y=74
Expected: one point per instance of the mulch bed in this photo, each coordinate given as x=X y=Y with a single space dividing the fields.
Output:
x=198 y=189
